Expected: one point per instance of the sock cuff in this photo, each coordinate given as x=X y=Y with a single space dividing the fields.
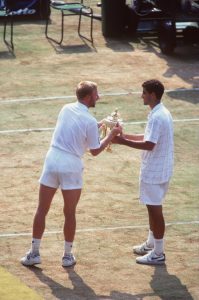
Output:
x=68 y=246
x=158 y=240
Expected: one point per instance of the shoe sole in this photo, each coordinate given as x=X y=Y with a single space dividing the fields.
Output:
x=151 y=263
x=141 y=253
x=29 y=265
x=69 y=265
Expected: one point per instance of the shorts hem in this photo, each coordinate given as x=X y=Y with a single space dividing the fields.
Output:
x=152 y=204
x=49 y=185
x=71 y=188
x=62 y=188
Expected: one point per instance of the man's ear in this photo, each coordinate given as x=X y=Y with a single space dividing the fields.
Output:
x=153 y=96
x=87 y=99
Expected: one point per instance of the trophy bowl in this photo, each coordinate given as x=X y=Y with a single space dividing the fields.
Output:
x=110 y=122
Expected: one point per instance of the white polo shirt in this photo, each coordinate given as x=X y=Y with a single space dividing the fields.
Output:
x=157 y=165
x=76 y=130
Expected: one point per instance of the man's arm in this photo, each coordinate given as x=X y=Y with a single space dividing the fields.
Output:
x=104 y=143
x=134 y=137
x=100 y=123
x=143 y=145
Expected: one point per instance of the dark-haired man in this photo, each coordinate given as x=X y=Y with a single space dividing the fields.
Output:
x=156 y=169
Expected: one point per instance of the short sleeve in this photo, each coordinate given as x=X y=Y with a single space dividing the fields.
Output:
x=153 y=131
x=93 y=139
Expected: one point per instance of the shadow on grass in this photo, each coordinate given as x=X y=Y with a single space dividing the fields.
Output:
x=7 y=55
x=163 y=284
x=80 y=289
x=183 y=63
x=188 y=96
x=168 y=286
x=120 y=45
x=71 y=49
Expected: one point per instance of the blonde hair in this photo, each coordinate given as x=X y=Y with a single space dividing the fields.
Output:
x=85 y=88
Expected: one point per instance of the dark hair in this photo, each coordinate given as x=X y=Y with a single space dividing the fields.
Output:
x=85 y=88
x=154 y=86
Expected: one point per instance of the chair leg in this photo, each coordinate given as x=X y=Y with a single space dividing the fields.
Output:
x=79 y=24
x=91 y=30
x=46 y=29
x=4 y=31
x=11 y=33
x=62 y=30
x=9 y=44
x=62 y=27
x=90 y=15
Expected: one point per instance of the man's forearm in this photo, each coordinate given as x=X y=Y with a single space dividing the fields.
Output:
x=142 y=145
x=134 y=137
x=103 y=144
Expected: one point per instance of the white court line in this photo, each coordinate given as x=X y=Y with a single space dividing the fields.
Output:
x=178 y=120
x=5 y=235
x=26 y=130
x=52 y=128
x=10 y=101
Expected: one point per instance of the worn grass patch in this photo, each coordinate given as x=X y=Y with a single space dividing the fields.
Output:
x=110 y=220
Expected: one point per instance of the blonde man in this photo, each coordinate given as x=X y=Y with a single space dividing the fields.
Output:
x=75 y=132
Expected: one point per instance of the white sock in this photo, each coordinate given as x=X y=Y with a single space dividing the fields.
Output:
x=35 y=245
x=159 y=246
x=67 y=247
x=150 y=239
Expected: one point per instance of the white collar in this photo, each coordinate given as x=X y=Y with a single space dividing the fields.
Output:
x=158 y=106
x=82 y=106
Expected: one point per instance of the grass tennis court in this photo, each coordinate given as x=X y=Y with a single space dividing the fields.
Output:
x=110 y=219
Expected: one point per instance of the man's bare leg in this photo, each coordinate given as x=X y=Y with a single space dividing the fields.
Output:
x=157 y=225
x=71 y=198
x=45 y=198
x=156 y=220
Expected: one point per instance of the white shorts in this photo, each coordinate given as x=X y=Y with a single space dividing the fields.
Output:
x=62 y=169
x=153 y=194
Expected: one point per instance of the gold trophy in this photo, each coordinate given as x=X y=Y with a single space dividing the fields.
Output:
x=108 y=123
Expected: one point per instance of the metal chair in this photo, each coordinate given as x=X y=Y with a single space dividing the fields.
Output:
x=8 y=17
x=66 y=9
x=21 y=9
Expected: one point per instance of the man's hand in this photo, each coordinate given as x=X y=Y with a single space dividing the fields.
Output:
x=100 y=123
x=117 y=140
x=117 y=129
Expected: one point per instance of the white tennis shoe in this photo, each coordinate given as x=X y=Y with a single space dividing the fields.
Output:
x=151 y=258
x=142 y=249
x=68 y=260
x=31 y=259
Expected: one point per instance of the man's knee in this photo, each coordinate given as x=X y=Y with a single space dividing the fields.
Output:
x=41 y=212
x=69 y=214
x=155 y=211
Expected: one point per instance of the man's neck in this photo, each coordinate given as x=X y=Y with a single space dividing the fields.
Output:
x=152 y=105
x=84 y=102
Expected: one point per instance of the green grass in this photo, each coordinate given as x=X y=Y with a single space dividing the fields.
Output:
x=37 y=114
x=124 y=174
x=11 y=288
x=106 y=267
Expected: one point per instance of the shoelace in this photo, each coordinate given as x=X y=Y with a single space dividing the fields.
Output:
x=29 y=255
x=68 y=257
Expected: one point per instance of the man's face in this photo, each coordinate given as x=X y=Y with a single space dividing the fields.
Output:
x=93 y=98
x=147 y=97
